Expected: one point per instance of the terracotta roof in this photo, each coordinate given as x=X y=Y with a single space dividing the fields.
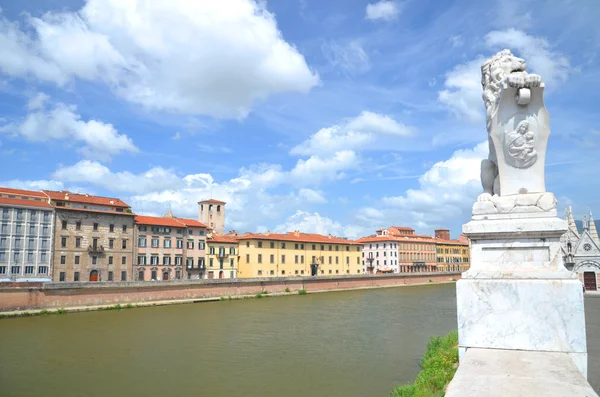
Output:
x=191 y=222
x=213 y=201
x=376 y=238
x=223 y=239
x=95 y=211
x=402 y=228
x=453 y=242
x=24 y=203
x=301 y=238
x=157 y=221
x=85 y=198
x=22 y=192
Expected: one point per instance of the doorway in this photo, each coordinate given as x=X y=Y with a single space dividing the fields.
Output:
x=221 y=274
x=94 y=276
x=589 y=281
x=165 y=276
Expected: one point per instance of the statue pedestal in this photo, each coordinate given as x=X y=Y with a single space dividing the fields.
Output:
x=517 y=295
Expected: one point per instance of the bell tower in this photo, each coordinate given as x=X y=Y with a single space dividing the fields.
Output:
x=212 y=213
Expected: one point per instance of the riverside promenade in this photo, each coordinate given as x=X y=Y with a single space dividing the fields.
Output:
x=31 y=297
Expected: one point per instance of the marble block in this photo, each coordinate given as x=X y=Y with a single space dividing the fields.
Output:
x=523 y=314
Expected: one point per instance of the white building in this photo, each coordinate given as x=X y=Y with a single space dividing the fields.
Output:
x=26 y=227
x=581 y=250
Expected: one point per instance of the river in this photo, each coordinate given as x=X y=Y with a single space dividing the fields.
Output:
x=340 y=344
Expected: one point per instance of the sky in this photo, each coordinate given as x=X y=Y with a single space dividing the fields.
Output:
x=338 y=116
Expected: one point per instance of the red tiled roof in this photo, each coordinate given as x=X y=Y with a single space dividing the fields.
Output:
x=95 y=211
x=213 y=201
x=376 y=238
x=302 y=238
x=402 y=228
x=157 y=221
x=24 y=203
x=453 y=242
x=21 y=192
x=191 y=222
x=223 y=239
x=85 y=198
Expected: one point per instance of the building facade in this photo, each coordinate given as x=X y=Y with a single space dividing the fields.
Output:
x=416 y=252
x=222 y=256
x=581 y=250
x=379 y=255
x=452 y=255
x=212 y=213
x=26 y=227
x=93 y=238
x=194 y=248
x=297 y=254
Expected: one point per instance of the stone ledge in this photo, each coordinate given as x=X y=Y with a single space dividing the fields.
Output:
x=501 y=373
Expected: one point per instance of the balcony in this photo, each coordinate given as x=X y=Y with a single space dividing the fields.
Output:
x=222 y=254
x=99 y=250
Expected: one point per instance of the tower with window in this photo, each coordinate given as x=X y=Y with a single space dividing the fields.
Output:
x=212 y=213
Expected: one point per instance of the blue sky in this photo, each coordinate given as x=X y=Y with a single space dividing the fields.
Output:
x=338 y=116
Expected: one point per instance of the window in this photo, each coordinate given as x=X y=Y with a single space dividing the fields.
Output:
x=123 y=276
x=178 y=260
x=15 y=269
x=76 y=259
x=231 y=262
x=179 y=243
x=358 y=261
x=296 y=259
x=166 y=260
x=111 y=228
x=31 y=229
x=62 y=276
x=272 y=272
x=110 y=260
x=259 y=258
x=177 y=274
x=43 y=257
x=123 y=260
x=2 y=269
x=76 y=276
x=283 y=272
x=190 y=244
x=211 y=250
x=154 y=243
x=141 y=260
x=31 y=244
x=348 y=260
x=18 y=230
x=260 y=272
x=201 y=263
x=282 y=245
x=247 y=243
x=337 y=260
x=142 y=242
x=201 y=232
x=43 y=270
x=272 y=244
x=95 y=227
x=167 y=243
x=260 y=244
x=231 y=250
x=347 y=248
x=77 y=242
x=94 y=260
x=247 y=258
x=210 y=262
x=124 y=244
x=78 y=225
x=29 y=269
x=201 y=244
x=4 y=228
x=64 y=225
x=63 y=259
x=17 y=243
x=45 y=231
x=301 y=258
x=153 y=274
x=337 y=247
x=3 y=242
x=143 y=228
x=154 y=260
x=330 y=260
x=29 y=257
x=63 y=242
x=314 y=247
x=110 y=276
x=124 y=228
x=282 y=259
x=5 y=213
x=296 y=246
x=322 y=247
x=272 y=258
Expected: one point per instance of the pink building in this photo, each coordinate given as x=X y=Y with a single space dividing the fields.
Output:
x=380 y=254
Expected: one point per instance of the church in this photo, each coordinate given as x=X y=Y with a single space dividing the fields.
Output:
x=581 y=250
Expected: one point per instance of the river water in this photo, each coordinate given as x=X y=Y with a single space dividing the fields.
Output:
x=355 y=343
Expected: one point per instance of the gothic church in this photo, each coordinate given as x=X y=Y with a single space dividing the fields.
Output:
x=581 y=250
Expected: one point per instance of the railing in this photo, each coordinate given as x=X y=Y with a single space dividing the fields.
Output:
x=96 y=250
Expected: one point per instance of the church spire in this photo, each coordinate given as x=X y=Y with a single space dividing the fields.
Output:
x=570 y=220
x=169 y=213
x=592 y=230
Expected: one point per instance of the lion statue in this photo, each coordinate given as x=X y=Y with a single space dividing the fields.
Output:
x=502 y=67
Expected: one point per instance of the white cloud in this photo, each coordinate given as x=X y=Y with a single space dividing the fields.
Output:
x=213 y=148
x=363 y=132
x=446 y=191
x=198 y=57
x=385 y=10
x=462 y=93
x=312 y=196
x=100 y=140
x=33 y=185
x=308 y=222
x=86 y=171
x=176 y=136
x=317 y=170
x=552 y=66
x=351 y=59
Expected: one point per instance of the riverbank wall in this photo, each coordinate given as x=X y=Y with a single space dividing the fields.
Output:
x=40 y=296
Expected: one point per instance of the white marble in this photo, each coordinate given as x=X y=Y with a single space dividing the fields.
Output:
x=537 y=315
x=502 y=373
x=535 y=205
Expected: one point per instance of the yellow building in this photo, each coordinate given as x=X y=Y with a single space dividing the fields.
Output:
x=297 y=254
x=221 y=256
x=452 y=255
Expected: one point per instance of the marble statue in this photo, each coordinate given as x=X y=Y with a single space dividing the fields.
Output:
x=518 y=127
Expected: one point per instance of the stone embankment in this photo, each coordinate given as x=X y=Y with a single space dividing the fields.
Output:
x=18 y=297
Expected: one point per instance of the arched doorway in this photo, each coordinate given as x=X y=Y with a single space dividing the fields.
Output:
x=94 y=276
x=165 y=275
x=589 y=281
x=221 y=274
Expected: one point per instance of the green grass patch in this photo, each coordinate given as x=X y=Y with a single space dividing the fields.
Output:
x=258 y=295
x=287 y=290
x=302 y=292
x=438 y=367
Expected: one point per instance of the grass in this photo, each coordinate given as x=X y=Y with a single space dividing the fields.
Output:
x=438 y=367
x=258 y=295
x=287 y=290
x=302 y=292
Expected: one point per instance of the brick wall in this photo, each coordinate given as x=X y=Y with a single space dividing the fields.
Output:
x=24 y=296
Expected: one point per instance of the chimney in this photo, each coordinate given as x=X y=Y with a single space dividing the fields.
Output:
x=268 y=233
x=66 y=195
x=330 y=236
x=297 y=233
x=443 y=234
